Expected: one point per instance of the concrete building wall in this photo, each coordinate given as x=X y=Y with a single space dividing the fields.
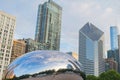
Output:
x=7 y=26
x=18 y=49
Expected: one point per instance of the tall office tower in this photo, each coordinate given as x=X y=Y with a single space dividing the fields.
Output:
x=7 y=25
x=91 y=49
x=119 y=42
x=119 y=52
x=114 y=37
x=48 y=26
x=18 y=49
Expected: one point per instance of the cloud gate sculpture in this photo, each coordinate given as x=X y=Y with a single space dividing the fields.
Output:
x=44 y=65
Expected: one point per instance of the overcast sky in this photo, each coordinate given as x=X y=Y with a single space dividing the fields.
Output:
x=76 y=13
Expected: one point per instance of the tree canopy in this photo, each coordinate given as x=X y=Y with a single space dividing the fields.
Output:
x=109 y=75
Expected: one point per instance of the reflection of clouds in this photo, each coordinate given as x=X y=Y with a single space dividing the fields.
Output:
x=37 y=56
x=53 y=58
x=38 y=61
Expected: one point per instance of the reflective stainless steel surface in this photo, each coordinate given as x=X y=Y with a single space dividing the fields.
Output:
x=44 y=65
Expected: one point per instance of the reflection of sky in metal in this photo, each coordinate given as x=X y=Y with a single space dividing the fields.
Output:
x=39 y=61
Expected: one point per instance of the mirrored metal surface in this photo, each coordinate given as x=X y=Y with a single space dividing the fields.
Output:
x=44 y=65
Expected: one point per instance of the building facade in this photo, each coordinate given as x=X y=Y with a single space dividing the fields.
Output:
x=91 y=49
x=18 y=49
x=73 y=54
x=48 y=28
x=32 y=45
x=119 y=42
x=111 y=64
x=7 y=26
x=113 y=54
x=119 y=52
x=114 y=37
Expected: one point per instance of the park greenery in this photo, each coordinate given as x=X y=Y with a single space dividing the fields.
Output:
x=108 y=75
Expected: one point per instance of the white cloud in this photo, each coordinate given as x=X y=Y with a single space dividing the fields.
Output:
x=109 y=10
x=81 y=12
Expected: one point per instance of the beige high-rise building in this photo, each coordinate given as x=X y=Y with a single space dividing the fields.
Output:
x=18 y=49
x=7 y=26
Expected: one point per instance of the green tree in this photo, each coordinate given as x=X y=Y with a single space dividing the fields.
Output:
x=91 y=77
x=83 y=75
x=109 y=75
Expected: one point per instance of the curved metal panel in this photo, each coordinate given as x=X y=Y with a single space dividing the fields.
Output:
x=44 y=65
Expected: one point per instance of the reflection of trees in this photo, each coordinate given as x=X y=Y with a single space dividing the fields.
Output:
x=67 y=70
x=64 y=70
x=45 y=73
x=14 y=78
x=9 y=73
x=74 y=71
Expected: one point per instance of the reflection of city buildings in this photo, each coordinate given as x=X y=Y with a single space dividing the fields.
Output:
x=11 y=75
x=114 y=37
x=48 y=27
x=75 y=55
x=18 y=49
x=91 y=49
x=7 y=25
x=110 y=63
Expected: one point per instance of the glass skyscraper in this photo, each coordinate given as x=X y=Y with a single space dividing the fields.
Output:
x=48 y=28
x=91 y=49
x=114 y=37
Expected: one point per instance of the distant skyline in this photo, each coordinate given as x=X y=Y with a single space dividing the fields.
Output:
x=75 y=14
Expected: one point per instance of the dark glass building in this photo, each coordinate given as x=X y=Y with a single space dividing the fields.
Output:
x=115 y=55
